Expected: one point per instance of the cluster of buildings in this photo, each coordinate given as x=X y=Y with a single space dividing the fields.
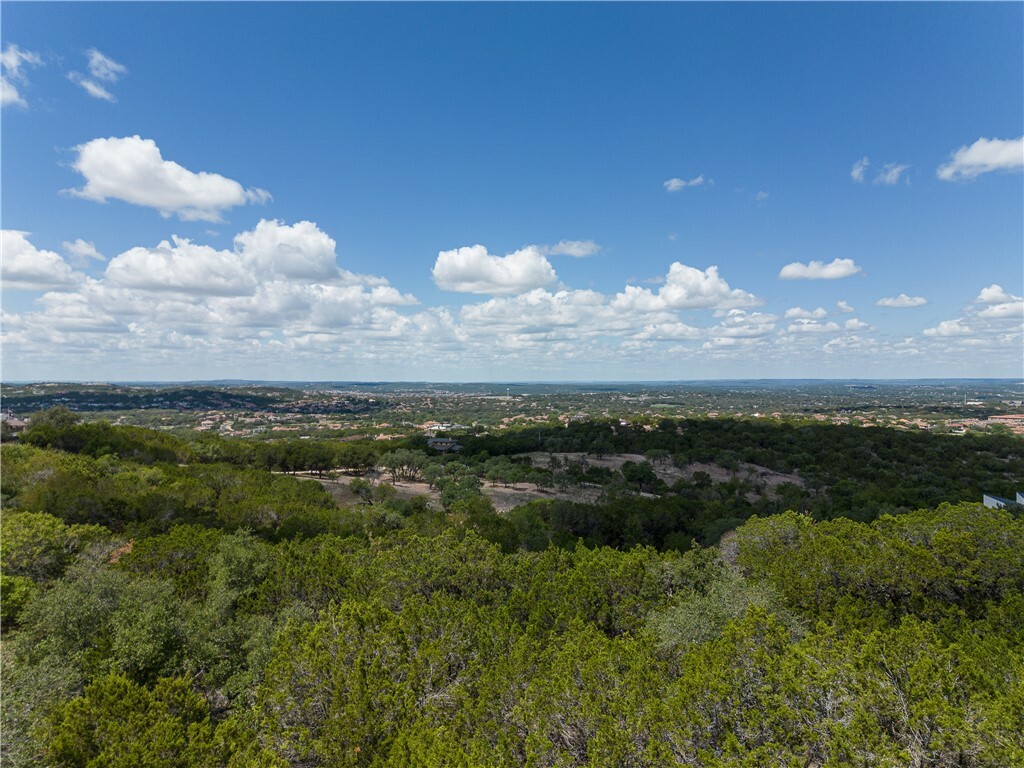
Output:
x=1014 y=421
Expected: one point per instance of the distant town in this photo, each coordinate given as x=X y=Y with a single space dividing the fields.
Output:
x=388 y=411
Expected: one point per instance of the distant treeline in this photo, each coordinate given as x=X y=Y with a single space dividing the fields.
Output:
x=185 y=399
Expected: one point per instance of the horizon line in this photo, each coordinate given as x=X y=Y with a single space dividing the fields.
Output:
x=222 y=381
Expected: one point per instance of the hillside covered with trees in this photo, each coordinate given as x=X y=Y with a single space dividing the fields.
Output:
x=180 y=603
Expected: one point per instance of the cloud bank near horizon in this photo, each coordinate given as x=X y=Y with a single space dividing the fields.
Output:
x=280 y=297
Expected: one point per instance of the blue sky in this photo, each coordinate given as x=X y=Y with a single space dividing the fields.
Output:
x=512 y=191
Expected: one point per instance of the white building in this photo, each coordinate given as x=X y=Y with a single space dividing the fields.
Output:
x=998 y=502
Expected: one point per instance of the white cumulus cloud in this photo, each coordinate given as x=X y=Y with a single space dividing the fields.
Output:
x=1007 y=309
x=844 y=307
x=994 y=294
x=181 y=266
x=25 y=267
x=686 y=287
x=676 y=331
x=132 y=169
x=740 y=324
x=185 y=298
x=902 y=301
x=11 y=62
x=800 y=312
x=537 y=312
x=473 y=270
x=812 y=326
x=983 y=156
x=81 y=252
x=817 y=270
x=675 y=184
x=73 y=313
x=300 y=250
x=271 y=254
x=949 y=328
x=997 y=326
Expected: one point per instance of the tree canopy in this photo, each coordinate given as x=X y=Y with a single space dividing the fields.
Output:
x=198 y=612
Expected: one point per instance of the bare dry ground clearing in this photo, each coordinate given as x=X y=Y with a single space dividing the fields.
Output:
x=670 y=473
x=505 y=498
